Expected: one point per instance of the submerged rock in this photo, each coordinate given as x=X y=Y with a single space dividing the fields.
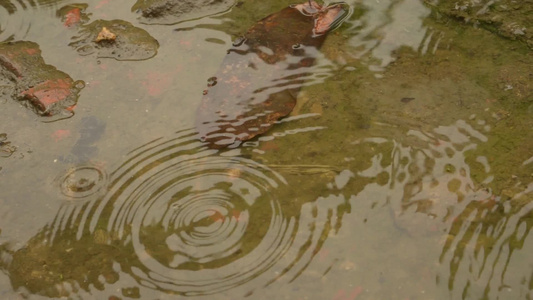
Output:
x=175 y=11
x=263 y=72
x=127 y=42
x=25 y=77
x=73 y=14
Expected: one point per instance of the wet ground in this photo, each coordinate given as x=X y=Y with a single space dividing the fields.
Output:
x=405 y=170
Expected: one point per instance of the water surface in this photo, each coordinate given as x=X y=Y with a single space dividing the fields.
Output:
x=404 y=171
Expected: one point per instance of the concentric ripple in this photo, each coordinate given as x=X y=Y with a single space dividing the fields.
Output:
x=17 y=17
x=180 y=218
x=196 y=216
x=82 y=181
x=198 y=222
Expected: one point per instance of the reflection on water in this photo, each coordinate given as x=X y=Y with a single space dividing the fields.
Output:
x=437 y=177
x=371 y=188
x=488 y=250
x=432 y=192
x=386 y=26
x=181 y=218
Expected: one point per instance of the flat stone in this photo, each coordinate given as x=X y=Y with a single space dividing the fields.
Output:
x=26 y=78
x=45 y=95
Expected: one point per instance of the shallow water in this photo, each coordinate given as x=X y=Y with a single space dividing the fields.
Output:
x=405 y=171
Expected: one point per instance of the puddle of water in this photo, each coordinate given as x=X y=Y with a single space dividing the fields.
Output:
x=403 y=171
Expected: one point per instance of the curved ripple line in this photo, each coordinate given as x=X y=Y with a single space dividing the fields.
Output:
x=486 y=240
x=194 y=221
x=198 y=223
x=82 y=181
x=17 y=17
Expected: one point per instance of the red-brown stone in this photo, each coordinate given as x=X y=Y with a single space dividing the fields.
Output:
x=28 y=79
x=48 y=93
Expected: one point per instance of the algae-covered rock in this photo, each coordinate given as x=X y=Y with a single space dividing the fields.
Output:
x=129 y=42
x=175 y=11
x=508 y=18
x=25 y=77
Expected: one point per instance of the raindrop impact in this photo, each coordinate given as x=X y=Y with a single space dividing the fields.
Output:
x=81 y=182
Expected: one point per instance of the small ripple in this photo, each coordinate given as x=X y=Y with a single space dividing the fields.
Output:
x=82 y=181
